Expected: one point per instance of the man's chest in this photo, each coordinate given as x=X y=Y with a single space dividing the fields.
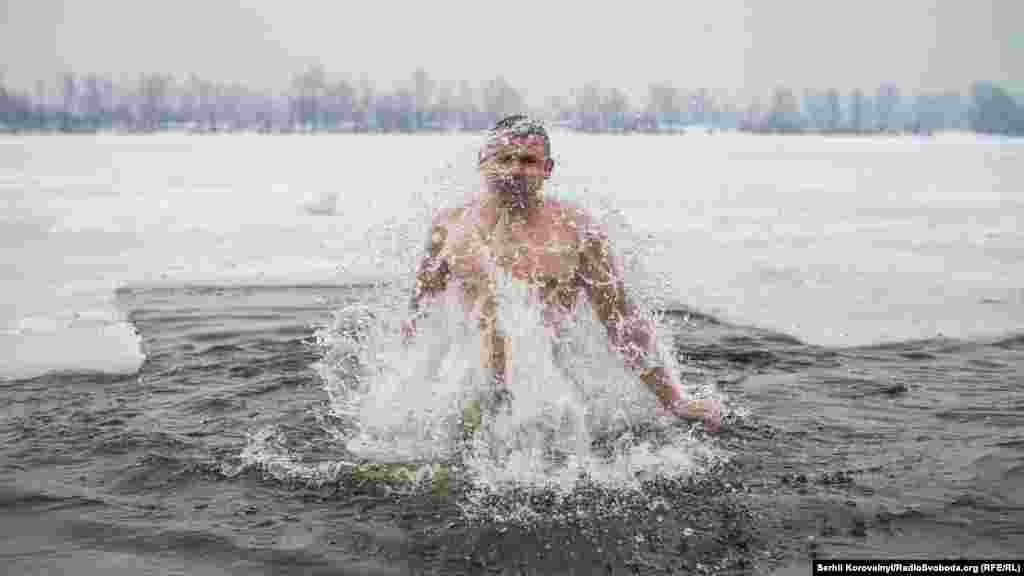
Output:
x=539 y=257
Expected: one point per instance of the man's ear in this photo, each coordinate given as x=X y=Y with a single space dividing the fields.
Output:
x=549 y=165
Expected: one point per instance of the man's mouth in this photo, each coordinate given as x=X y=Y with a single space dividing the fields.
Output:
x=510 y=184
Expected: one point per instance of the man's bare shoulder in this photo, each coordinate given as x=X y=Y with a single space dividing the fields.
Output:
x=567 y=214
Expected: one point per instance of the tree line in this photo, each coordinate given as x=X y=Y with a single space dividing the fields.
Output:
x=315 y=102
x=986 y=108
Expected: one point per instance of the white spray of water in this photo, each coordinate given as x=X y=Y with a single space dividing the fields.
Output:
x=573 y=412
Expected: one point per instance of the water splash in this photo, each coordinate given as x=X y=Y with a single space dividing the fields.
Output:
x=572 y=412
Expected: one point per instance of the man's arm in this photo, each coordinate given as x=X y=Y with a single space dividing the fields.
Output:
x=628 y=331
x=431 y=274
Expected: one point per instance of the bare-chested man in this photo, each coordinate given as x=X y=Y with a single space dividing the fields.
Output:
x=553 y=246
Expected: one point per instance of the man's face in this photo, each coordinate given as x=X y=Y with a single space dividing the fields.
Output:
x=515 y=166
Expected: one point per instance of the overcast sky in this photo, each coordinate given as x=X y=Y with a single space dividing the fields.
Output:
x=735 y=48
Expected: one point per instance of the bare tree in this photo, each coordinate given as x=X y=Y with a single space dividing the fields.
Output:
x=814 y=110
x=994 y=110
x=15 y=108
x=588 y=108
x=188 y=103
x=700 y=106
x=93 y=106
x=557 y=109
x=340 y=102
x=231 y=98
x=467 y=107
x=70 y=97
x=405 y=111
x=366 y=108
x=857 y=111
x=6 y=104
x=886 y=102
x=41 y=101
x=309 y=88
x=423 y=90
x=663 y=103
x=614 y=107
x=153 y=92
x=750 y=116
x=445 y=104
x=501 y=99
x=205 y=103
x=835 y=112
x=784 y=115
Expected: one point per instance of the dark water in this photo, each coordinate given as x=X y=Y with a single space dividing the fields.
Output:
x=913 y=449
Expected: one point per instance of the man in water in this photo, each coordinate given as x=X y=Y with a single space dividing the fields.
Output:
x=553 y=246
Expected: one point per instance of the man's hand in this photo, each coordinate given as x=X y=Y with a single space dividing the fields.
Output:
x=706 y=409
x=431 y=276
x=670 y=396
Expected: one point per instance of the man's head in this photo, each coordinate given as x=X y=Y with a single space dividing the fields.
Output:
x=516 y=158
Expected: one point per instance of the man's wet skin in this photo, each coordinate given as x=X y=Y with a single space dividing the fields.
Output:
x=553 y=247
x=543 y=253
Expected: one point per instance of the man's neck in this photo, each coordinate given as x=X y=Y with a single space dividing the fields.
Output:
x=499 y=211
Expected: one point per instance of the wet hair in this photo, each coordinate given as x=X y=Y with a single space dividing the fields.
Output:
x=521 y=125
